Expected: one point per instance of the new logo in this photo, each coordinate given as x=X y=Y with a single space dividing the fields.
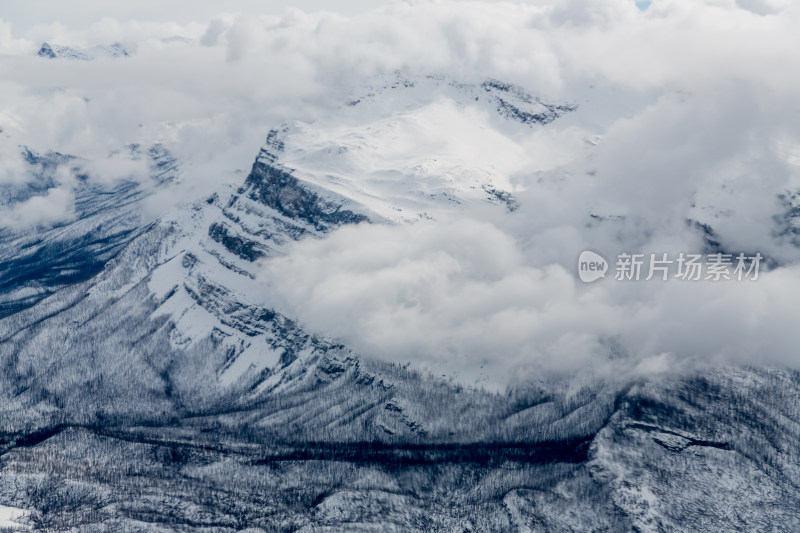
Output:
x=591 y=266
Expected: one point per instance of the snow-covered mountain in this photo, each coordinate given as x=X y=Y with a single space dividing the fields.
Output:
x=54 y=51
x=35 y=264
x=150 y=383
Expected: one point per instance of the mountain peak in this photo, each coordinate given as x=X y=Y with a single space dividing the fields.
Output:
x=53 y=51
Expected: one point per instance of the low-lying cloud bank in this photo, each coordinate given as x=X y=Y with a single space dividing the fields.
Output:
x=687 y=120
x=461 y=298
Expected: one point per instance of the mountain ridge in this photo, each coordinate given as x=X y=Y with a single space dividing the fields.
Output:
x=166 y=391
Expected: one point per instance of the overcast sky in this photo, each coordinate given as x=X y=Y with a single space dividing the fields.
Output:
x=80 y=15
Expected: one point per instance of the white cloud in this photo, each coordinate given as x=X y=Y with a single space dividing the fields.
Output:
x=56 y=205
x=118 y=166
x=461 y=298
x=13 y=169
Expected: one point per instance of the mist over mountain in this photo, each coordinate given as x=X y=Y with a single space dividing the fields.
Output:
x=310 y=271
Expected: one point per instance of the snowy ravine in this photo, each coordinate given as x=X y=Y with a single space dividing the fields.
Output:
x=149 y=384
